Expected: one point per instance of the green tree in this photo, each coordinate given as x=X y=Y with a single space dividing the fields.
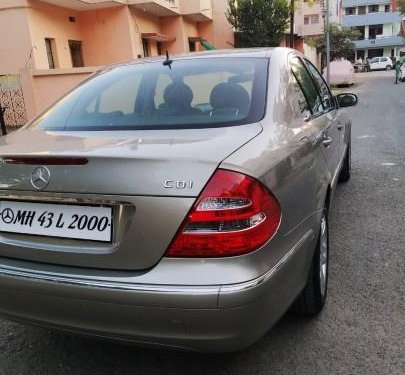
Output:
x=258 y=23
x=341 y=41
x=401 y=6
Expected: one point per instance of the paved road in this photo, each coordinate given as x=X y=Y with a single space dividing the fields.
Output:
x=361 y=329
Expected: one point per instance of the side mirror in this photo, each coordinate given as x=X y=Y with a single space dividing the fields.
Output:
x=347 y=100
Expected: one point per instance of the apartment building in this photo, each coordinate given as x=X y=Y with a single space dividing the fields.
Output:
x=51 y=34
x=308 y=24
x=379 y=24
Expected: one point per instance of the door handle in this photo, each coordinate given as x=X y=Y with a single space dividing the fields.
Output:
x=327 y=141
x=340 y=126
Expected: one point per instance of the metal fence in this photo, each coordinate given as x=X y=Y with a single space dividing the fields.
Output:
x=12 y=102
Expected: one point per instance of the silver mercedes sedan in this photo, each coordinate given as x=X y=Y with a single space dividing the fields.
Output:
x=178 y=202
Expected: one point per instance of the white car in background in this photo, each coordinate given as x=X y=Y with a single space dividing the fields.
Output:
x=341 y=73
x=377 y=63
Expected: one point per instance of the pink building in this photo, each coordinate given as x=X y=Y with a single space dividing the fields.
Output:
x=53 y=44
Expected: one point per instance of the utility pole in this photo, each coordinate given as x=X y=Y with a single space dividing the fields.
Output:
x=327 y=42
x=291 y=24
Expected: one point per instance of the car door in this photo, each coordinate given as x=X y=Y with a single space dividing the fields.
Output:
x=383 y=62
x=374 y=63
x=324 y=130
x=335 y=117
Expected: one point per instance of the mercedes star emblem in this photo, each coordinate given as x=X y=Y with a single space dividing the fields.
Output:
x=40 y=177
x=7 y=215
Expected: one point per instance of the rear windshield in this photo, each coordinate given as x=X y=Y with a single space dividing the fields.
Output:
x=190 y=93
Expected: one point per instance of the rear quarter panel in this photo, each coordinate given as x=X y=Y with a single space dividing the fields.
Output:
x=283 y=156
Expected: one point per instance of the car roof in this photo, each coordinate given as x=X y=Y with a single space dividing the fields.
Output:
x=236 y=52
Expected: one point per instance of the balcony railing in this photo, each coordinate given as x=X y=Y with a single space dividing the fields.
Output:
x=159 y=8
x=372 y=19
x=359 y=3
x=385 y=41
x=197 y=10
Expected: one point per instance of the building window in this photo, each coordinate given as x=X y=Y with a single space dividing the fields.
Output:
x=311 y=19
x=76 y=53
x=145 y=46
x=159 y=47
x=314 y=18
x=374 y=30
x=362 y=31
x=191 y=45
x=373 y=8
x=362 y=10
x=350 y=11
x=387 y=8
x=50 y=52
x=375 y=53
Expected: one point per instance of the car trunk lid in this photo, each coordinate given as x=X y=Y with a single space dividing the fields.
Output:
x=149 y=179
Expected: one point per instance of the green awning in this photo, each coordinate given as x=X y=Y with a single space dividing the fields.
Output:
x=206 y=45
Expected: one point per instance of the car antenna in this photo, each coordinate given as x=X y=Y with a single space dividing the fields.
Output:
x=168 y=62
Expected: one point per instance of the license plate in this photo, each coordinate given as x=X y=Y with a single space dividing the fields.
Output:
x=57 y=220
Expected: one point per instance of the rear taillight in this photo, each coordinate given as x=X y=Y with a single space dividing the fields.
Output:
x=235 y=214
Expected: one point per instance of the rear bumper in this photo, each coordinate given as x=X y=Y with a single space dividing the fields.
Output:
x=214 y=318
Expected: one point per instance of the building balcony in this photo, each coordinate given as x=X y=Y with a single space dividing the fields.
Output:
x=197 y=10
x=359 y=3
x=371 y=19
x=379 y=42
x=158 y=8
x=311 y=30
x=81 y=5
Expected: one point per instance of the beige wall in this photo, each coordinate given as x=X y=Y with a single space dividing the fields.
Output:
x=222 y=30
x=219 y=32
x=48 y=21
x=43 y=87
x=306 y=9
x=312 y=55
x=191 y=29
x=15 y=40
x=144 y=23
x=106 y=36
x=174 y=26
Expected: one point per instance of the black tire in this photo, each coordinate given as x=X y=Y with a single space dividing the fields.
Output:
x=313 y=297
x=388 y=67
x=344 y=174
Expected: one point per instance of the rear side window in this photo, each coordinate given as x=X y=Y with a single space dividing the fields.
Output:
x=206 y=92
x=307 y=85
x=323 y=89
x=298 y=109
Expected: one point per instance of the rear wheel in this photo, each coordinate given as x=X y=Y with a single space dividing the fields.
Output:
x=388 y=67
x=313 y=297
x=347 y=165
